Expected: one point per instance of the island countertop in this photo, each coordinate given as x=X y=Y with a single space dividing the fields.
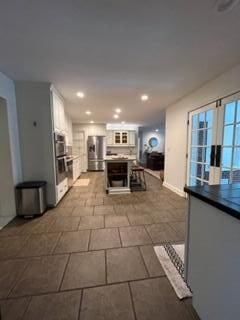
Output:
x=120 y=158
x=223 y=197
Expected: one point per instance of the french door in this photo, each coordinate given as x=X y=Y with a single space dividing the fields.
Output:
x=229 y=137
x=214 y=143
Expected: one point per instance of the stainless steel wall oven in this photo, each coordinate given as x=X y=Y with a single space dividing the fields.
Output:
x=60 y=145
x=61 y=159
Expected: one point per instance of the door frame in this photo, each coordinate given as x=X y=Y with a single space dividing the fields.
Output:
x=220 y=136
x=217 y=137
x=205 y=108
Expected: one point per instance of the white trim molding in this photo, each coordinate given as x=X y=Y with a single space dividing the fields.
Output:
x=4 y=220
x=181 y=193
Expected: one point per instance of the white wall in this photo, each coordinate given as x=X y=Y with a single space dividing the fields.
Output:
x=89 y=129
x=176 y=124
x=10 y=161
x=160 y=135
x=146 y=134
x=37 y=148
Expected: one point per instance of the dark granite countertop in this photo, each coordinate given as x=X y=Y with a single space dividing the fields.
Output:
x=224 y=197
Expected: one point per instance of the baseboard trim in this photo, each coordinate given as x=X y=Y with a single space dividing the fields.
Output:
x=181 y=193
x=5 y=220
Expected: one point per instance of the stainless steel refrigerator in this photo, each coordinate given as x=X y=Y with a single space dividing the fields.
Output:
x=96 y=152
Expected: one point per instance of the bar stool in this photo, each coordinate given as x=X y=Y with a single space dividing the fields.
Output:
x=137 y=179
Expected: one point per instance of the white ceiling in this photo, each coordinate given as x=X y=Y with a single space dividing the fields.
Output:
x=116 y=50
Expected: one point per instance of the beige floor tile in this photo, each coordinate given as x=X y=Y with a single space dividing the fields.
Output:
x=133 y=236
x=104 y=239
x=91 y=222
x=73 y=241
x=85 y=270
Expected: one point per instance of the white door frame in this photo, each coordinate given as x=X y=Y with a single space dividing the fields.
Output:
x=221 y=126
x=217 y=136
x=211 y=106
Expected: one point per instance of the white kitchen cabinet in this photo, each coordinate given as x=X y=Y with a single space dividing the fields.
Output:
x=68 y=130
x=124 y=138
x=121 y=138
x=132 y=137
x=76 y=168
x=70 y=133
x=117 y=137
x=62 y=188
x=110 y=138
x=58 y=112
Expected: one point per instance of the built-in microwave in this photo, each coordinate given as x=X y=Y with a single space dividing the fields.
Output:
x=60 y=145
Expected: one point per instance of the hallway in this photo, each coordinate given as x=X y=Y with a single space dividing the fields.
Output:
x=92 y=257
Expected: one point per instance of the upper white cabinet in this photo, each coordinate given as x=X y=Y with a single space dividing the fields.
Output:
x=61 y=121
x=58 y=112
x=121 y=138
x=132 y=137
x=110 y=137
x=68 y=130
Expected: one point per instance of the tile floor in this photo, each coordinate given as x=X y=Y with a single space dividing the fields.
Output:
x=92 y=257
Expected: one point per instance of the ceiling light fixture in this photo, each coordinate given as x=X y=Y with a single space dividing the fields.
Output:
x=118 y=110
x=116 y=116
x=88 y=112
x=156 y=130
x=123 y=122
x=80 y=94
x=225 y=5
x=144 y=97
x=91 y=121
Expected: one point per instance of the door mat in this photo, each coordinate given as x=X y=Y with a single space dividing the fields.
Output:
x=82 y=183
x=171 y=258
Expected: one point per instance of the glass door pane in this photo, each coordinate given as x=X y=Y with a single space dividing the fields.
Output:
x=117 y=137
x=124 y=137
x=201 y=135
x=230 y=157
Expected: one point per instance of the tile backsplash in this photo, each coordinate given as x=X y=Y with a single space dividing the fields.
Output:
x=122 y=150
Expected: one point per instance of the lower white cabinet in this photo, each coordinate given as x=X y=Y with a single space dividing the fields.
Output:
x=62 y=188
x=76 y=168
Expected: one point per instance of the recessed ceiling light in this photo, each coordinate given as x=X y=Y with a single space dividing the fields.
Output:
x=144 y=97
x=118 y=110
x=123 y=122
x=91 y=121
x=88 y=112
x=156 y=130
x=80 y=94
x=225 y=5
x=116 y=116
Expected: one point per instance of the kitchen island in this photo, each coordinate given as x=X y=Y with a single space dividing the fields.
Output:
x=117 y=173
x=212 y=255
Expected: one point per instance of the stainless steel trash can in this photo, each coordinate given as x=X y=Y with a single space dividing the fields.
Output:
x=31 y=198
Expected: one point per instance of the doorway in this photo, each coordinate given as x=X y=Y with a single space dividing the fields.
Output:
x=214 y=143
x=7 y=195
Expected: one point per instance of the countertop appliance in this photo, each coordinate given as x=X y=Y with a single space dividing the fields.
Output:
x=96 y=146
x=60 y=157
